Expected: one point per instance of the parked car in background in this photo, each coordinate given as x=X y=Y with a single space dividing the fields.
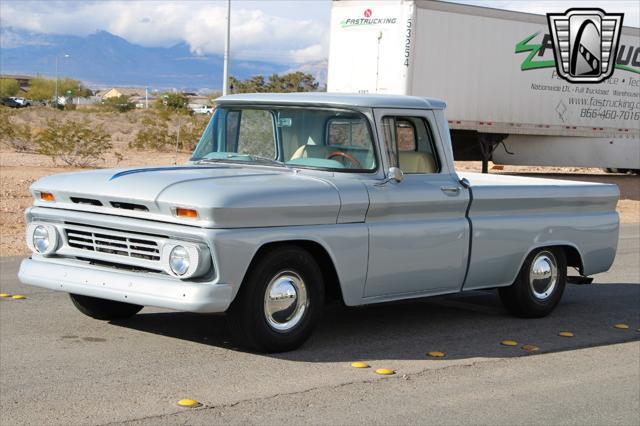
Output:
x=11 y=103
x=22 y=101
x=202 y=109
x=290 y=200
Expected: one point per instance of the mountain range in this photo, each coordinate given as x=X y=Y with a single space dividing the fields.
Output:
x=103 y=59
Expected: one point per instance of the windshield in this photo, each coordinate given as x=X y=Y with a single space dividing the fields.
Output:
x=303 y=137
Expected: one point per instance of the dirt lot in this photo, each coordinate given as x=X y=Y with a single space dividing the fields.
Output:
x=19 y=170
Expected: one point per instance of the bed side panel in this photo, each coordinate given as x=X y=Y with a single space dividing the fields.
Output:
x=511 y=220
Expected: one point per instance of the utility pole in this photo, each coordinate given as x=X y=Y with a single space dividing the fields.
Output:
x=146 y=98
x=225 y=74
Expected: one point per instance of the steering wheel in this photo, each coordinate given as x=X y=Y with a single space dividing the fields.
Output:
x=347 y=156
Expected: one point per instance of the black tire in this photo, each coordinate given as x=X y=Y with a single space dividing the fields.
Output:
x=520 y=298
x=247 y=318
x=103 y=309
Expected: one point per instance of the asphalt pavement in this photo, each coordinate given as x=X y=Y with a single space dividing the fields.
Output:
x=60 y=367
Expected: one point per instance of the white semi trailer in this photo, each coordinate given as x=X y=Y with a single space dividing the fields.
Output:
x=496 y=71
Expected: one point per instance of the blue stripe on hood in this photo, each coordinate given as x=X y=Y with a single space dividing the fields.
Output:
x=159 y=169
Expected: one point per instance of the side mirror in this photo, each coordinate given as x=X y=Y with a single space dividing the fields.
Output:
x=393 y=174
x=396 y=174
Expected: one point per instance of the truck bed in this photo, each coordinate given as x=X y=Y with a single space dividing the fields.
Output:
x=511 y=215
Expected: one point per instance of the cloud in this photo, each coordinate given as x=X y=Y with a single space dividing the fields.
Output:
x=285 y=32
x=628 y=7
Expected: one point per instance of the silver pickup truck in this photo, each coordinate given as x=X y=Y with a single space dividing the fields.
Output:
x=291 y=200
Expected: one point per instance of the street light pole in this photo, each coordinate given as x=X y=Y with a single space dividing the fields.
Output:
x=225 y=73
x=56 y=98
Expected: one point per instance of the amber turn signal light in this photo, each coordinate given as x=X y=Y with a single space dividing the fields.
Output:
x=188 y=213
x=47 y=196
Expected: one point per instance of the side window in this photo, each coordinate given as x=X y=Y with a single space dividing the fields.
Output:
x=256 y=133
x=410 y=145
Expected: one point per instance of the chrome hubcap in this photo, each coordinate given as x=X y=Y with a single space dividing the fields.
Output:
x=543 y=275
x=285 y=301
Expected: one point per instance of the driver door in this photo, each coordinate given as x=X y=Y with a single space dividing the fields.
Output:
x=418 y=231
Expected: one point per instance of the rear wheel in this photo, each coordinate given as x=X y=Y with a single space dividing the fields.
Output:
x=104 y=309
x=539 y=285
x=279 y=303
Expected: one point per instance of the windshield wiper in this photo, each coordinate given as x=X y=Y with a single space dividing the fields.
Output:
x=261 y=159
x=241 y=158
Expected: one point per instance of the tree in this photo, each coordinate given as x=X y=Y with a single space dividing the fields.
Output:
x=119 y=103
x=42 y=89
x=75 y=86
x=255 y=84
x=175 y=101
x=291 y=82
x=8 y=87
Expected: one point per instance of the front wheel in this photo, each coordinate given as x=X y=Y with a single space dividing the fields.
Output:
x=539 y=285
x=279 y=302
x=104 y=309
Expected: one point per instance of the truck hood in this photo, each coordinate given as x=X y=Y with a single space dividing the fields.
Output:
x=225 y=196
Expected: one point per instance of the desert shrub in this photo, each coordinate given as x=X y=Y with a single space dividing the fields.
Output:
x=164 y=114
x=160 y=131
x=17 y=136
x=6 y=126
x=132 y=118
x=75 y=143
x=191 y=131
x=155 y=135
x=21 y=140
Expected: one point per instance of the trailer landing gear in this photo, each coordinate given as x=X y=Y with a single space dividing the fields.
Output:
x=488 y=143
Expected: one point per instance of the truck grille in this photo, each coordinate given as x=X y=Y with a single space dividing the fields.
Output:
x=113 y=242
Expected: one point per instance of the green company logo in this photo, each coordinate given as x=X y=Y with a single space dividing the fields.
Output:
x=627 y=55
x=367 y=19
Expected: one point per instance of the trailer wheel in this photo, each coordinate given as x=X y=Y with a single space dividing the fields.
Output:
x=539 y=286
x=280 y=301
x=103 y=309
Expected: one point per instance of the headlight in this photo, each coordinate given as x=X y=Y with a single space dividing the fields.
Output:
x=179 y=260
x=185 y=260
x=42 y=239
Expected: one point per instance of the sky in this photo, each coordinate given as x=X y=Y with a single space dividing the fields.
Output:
x=283 y=31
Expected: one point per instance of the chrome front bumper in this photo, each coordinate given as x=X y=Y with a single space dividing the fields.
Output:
x=123 y=286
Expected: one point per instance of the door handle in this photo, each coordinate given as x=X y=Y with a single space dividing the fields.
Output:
x=450 y=189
